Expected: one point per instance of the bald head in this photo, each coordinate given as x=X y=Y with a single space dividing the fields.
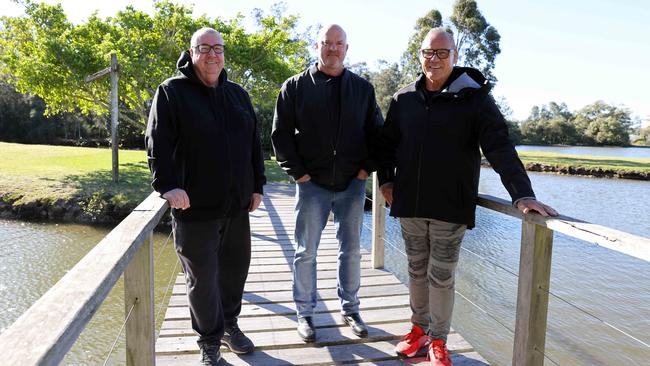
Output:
x=331 y=27
x=332 y=46
x=437 y=33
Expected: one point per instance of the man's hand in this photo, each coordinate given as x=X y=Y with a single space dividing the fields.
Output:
x=256 y=199
x=527 y=204
x=362 y=175
x=386 y=190
x=304 y=179
x=177 y=198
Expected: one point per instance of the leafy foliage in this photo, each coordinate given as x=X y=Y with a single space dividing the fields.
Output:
x=46 y=55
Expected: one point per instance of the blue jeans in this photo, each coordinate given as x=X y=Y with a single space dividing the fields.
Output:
x=313 y=206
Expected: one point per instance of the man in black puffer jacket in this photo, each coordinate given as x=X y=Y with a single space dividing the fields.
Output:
x=205 y=156
x=325 y=119
x=430 y=164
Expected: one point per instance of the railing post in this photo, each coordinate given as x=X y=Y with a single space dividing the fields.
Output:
x=378 y=224
x=532 y=295
x=138 y=289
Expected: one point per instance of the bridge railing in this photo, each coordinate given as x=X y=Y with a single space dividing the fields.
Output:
x=48 y=329
x=534 y=264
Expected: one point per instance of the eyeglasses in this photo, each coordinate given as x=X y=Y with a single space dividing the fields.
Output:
x=205 y=48
x=442 y=53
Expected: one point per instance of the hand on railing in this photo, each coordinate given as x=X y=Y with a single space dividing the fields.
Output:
x=177 y=198
x=386 y=190
x=526 y=204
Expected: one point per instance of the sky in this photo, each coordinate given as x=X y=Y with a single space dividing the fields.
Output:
x=575 y=51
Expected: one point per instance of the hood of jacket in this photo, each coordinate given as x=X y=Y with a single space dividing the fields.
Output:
x=461 y=81
x=186 y=68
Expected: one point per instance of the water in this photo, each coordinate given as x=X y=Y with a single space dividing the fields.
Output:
x=608 y=285
x=611 y=286
x=34 y=256
x=618 y=152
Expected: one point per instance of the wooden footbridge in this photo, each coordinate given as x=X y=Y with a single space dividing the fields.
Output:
x=47 y=330
x=268 y=313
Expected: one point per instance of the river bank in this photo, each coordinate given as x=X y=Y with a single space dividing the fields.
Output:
x=73 y=184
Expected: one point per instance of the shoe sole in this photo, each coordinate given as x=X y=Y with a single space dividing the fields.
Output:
x=410 y=355
x=307 y=339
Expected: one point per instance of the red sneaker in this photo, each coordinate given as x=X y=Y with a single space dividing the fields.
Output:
x=412 y=342
x=438 y=353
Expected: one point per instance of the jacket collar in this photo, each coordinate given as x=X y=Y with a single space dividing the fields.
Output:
x=318 y=76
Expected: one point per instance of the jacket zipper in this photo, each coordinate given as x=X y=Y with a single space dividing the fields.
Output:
x=417 y=187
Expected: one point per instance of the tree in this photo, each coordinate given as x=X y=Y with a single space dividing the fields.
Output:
x=604 y=124
x=50 y=57
x=476 y=40
x=386 y=81
x=550 y=125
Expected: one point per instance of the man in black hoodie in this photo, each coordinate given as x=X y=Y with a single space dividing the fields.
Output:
x=325 y=119
x=430 y=160
x=205 y=157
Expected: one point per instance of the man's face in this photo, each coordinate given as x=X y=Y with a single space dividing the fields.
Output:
x=208 y=65
x=332 y=47
x=438 y=69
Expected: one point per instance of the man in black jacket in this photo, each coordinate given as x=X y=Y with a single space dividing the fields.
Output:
x=430 y=160
x=324 y=119
x=204 y=153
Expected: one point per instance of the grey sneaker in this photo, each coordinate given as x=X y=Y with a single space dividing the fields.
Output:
x=237 y=341
x=210 y=354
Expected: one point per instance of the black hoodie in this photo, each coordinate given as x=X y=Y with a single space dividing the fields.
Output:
x=205 y=141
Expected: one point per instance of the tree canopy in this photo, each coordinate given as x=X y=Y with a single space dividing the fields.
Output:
x=44 y=54
x=476 y=40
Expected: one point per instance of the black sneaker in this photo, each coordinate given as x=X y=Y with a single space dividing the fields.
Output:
x=306 y=329
x=210 y=354
x=237 y=341
x=358 y=326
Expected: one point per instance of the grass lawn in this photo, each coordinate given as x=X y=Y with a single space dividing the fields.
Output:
x=46 y=173
x=588 y=162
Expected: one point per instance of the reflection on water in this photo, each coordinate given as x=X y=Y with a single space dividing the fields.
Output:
x=610 y=286
x=34 y=256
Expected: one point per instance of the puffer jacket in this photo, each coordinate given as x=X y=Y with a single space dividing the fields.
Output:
x=429 y=148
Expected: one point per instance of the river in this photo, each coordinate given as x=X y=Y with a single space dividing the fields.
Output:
x=611 y=286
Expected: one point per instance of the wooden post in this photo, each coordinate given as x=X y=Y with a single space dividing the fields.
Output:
x=532 y=295
x=114 y=116
x=378 y=224
x=138 y=289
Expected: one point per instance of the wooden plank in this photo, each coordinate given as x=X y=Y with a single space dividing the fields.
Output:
x=138 y=305
x=329 y=336
x=288 y=322
x=378 y=224
x=308 y=355
x=532 y=295
x=47 y=330
x=288 y=308
x=286 y=296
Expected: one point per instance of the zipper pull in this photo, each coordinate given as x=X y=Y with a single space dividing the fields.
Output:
x=334 y=152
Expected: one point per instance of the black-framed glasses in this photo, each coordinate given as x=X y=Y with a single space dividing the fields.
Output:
x=205 y=48
x=442 y=53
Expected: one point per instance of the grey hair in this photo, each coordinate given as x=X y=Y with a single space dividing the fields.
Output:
x=437 y=30
x=201 y=32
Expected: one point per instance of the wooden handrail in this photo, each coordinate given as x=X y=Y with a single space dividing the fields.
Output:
x=49 y=328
